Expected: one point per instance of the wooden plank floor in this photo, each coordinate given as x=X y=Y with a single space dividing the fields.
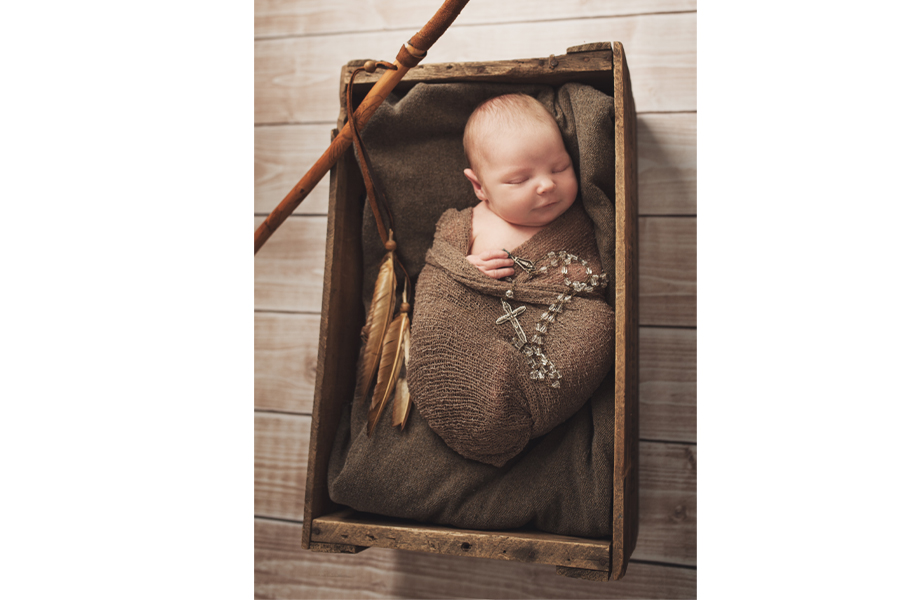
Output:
x=300 y=47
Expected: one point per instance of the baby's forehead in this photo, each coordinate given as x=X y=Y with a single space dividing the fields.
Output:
x=497 y=130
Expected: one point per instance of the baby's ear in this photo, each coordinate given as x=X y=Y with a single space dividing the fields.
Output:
x=476 y=185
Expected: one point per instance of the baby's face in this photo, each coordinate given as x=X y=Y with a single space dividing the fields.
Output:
x=525 y=176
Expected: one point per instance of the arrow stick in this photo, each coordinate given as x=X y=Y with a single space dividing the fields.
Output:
x=409 y=56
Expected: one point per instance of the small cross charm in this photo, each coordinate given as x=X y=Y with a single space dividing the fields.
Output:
x=511 y=317
x=525 y=265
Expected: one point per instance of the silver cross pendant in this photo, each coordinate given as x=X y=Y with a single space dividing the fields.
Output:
x=523 y=264
x=510 y=315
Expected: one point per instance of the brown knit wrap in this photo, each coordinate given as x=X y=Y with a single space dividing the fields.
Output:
x=562 y=481
x=469 y=382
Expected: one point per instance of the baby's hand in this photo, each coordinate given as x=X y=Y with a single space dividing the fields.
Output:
x=493 y=263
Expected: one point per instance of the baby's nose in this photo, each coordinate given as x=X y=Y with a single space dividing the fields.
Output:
x=545 y=185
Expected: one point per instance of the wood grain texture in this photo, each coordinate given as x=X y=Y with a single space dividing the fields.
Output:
x=280 y=450
x=283 y=570
x=626 y=461
x=302 y=17
x=342 y=320
x=668 y=384
x=288 y=270
x=668 y=265
x=282 y=154
x=667 y=164
x=297 y=78
x=668 y=504
x=285 y=352
x=534 y=547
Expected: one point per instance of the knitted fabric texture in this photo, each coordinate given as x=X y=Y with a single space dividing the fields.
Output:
x=561 y=482
x=469 y=382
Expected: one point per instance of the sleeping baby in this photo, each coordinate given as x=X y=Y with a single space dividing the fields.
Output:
x=511 y=334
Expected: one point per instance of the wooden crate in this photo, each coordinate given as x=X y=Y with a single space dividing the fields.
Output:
x=329 y=527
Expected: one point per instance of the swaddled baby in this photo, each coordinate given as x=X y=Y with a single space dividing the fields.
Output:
x=510 y=334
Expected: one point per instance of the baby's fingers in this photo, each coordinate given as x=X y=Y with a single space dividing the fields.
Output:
x=497 y=263
x=492 y=254
x=498 y=273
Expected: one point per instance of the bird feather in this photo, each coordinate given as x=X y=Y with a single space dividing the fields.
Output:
x=402 y=405
x=389 y=369
x=377 y=322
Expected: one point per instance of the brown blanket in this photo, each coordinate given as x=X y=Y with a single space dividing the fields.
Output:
x=479 y=386
x=562 y=481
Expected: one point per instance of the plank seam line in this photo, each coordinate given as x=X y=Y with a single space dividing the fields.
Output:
x=331 y=123
x=265 y=214
x=666 y=112
x=293 y=123
x=287 y=312
x=673 y=216
x=285 y=36
x=676 y=442
x=651 y=326
x=272 y=411
x=277 y=519
x=662 y=564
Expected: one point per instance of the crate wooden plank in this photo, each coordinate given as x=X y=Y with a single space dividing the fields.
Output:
x=284 y=570
x=667 y=164
x=301 y=17
x=668 y=515
x=626 y=459
x=668 y=386
x=668 y=504
x=297 y=79
x=281 y=443
x=286 y=348
x=289 y=269
x=282 y=155
x=536 y=547
x=342 y=319
x=668 y=270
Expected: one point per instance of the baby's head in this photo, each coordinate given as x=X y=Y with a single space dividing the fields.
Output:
x=518 y=164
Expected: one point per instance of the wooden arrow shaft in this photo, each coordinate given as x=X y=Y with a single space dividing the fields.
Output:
x=420 y=43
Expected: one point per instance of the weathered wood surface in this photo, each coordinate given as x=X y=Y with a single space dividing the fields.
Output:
x=285 y=351
x=288 y=270
x=287 y=348
x=537 y=547
x=586 y=574
x=301 y=17
x=667 y=164
x=342 y=320
x=668 y=504
x=668 y=522
x=668 y=270
x=297 y=78
x=281 y=444
x=283 y=570
x=668 y=384
x=626 y=461
x=561 y=68
x=282 y=154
